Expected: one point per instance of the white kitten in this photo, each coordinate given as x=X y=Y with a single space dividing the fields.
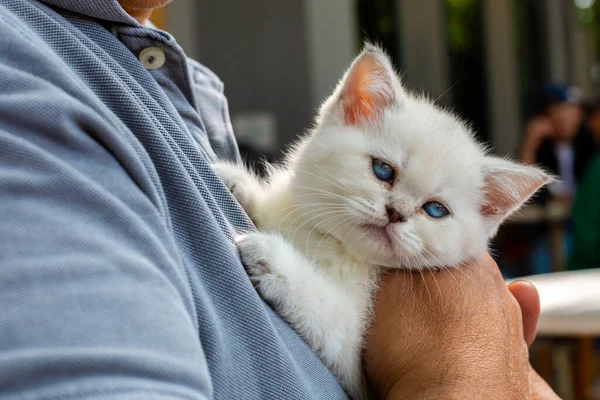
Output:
x=385 y=180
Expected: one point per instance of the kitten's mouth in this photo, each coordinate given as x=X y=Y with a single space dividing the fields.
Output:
x=378 y=233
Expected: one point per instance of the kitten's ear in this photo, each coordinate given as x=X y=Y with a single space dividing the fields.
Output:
x=507 y=186
x=368 y=87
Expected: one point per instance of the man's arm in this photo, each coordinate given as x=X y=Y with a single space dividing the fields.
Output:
x=94 y=299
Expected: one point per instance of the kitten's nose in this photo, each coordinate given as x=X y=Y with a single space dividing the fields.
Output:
x=393 y=215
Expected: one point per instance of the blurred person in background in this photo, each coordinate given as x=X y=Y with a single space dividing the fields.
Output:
x=558 y=140
x=564 y=138
x=586 y=221
x=591 y=109
x=586 y=208
x=553 y=138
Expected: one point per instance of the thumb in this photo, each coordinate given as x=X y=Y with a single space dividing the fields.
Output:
x=529 y=299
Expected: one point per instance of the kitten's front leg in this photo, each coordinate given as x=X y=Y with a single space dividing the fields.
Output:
x=316 y=308
x=244 y=185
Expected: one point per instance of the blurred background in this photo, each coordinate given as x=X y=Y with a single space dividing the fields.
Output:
x=524 y=73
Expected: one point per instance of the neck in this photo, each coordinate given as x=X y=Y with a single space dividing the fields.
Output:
x=141 y=15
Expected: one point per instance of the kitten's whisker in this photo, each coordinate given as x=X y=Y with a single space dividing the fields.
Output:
x=462 y=272
x=303 y=205
x=362 y=205
x=306 y=214
x=337 y=179
x=307 y=220
x=349 y=232
x=324 y=235
x=457 y=284
x=447 y=90
x=338 y=185
x=435 y=280
x=429 y=254
x=353 y=228
x=441 y=265
x=478 y=285
x=412 y=273
x=324 y=206
x=359 y=203
x=328 y=234
x=297 y=207
x=318 y=190
x=319 y=194
x=310 y=219
x=302 y=215
x=426 y=288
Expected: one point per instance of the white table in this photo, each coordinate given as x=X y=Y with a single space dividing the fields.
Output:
x=570 y=303
x=570 y=308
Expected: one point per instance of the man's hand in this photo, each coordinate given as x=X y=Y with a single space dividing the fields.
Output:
x=452 y=334
x=537 y=130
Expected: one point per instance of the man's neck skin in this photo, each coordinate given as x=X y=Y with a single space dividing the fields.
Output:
x=141 y=15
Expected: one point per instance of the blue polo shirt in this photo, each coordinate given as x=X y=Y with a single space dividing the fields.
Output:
x=118 y=276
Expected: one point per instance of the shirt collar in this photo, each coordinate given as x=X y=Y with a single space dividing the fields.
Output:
x=109 y=10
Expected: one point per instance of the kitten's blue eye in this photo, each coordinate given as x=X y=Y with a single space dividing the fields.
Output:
x=383 y=171
x=435 y=209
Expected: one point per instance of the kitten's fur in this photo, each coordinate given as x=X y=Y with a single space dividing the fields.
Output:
x=324 y=232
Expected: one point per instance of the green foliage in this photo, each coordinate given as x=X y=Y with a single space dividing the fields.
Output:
x=460 y=15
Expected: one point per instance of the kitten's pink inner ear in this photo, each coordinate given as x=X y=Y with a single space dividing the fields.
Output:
x=506 y=192
x=367 y=90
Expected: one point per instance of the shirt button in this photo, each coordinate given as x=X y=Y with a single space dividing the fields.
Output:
x=152 y=58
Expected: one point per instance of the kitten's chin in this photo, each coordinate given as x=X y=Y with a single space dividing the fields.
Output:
x=378 y=234
x=376 y=245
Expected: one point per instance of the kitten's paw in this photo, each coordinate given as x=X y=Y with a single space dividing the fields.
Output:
x=257 y=252
x=239 y=182
x=271 y=263
x=231 y=175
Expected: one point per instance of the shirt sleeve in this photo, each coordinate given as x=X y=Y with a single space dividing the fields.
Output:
x=94 y=299
x=586 y=221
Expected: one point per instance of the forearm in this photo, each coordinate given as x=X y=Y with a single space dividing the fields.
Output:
x=453 y=391
x=473 y=376
x=435 y=392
